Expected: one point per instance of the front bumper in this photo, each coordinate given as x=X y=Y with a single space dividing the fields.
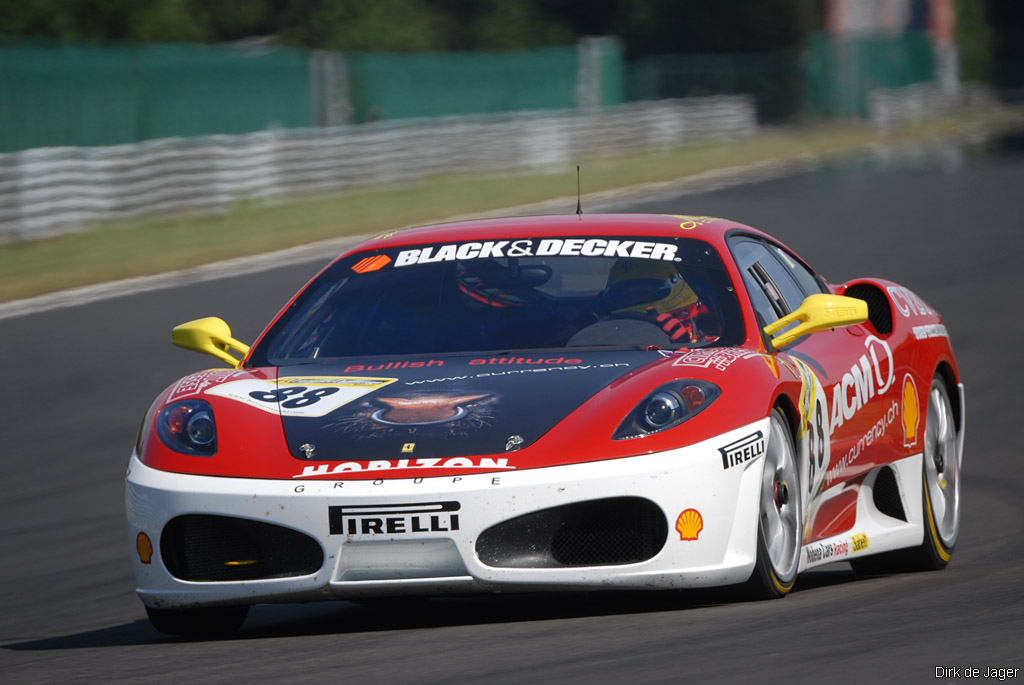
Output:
x=428 y=535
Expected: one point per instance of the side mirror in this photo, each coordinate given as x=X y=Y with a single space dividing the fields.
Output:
x=818 y=313
x=210 y=336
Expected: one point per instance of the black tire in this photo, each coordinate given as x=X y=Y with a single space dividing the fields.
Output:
x=940 y=495
x=200 y=621
x=780 y=518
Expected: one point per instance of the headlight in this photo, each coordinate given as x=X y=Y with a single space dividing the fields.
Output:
x=668 y=406
x=188 y=427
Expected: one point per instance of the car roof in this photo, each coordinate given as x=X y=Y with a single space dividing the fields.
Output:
x=711 y=229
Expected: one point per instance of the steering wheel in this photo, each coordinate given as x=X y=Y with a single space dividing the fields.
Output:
x=622 y=328
x=680 y=328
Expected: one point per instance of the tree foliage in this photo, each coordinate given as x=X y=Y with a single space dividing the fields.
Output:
x=646 y=26
x=974 y=40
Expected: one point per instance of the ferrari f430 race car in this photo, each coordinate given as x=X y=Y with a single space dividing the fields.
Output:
x=549 y=403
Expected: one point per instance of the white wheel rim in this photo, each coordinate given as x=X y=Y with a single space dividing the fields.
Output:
x=780 y=502
x=941 y=466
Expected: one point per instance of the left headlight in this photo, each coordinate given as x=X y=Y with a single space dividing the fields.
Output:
x=666 y=407
x=188 y=427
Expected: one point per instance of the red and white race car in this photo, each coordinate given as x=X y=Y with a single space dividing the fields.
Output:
x=547 y=403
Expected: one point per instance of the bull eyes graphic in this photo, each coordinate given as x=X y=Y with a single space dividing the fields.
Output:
x=422 y=411
x=453 y=415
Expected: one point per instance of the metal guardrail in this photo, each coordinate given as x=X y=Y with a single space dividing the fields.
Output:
x=46 y=191
x=890 y=108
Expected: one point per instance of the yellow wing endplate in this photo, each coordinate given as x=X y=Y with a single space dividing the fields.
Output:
x=210 y=335
x=817 y=313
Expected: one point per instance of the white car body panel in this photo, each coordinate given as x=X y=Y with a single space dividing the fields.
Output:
x=364 y=565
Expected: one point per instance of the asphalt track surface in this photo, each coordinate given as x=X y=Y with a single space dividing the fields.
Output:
x=76 y=381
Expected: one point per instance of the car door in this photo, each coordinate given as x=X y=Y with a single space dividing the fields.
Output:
x=844 y=372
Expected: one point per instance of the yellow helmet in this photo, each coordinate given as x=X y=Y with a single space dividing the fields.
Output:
x=637 y=285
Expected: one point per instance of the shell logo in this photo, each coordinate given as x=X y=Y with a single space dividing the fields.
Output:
x=144 y=546
x=911 y=411
x=689 y=524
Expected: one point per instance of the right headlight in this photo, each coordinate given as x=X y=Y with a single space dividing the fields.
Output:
x=188 y=427
x=666 y=407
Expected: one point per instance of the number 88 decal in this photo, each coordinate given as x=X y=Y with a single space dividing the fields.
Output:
x=310 y=398
x=287 y=395
x=814 y=419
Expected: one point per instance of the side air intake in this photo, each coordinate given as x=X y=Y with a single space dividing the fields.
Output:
x=886 y=494
x=879 y=309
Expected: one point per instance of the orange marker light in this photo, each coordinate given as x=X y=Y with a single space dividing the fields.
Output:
x=911 y=411
x=144 y=546
x=694 y=396
x=177 y=419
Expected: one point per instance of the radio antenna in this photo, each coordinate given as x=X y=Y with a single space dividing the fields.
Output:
x=579 y=204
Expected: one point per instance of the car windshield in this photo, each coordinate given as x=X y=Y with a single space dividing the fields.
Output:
x=505 y=295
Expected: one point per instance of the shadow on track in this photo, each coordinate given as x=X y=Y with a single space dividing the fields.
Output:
x=339 y=618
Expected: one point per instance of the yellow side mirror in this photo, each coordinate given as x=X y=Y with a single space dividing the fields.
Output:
x=210 y=336
x=818 y=313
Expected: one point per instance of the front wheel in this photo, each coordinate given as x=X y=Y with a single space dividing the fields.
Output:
x=779 y=517
x=199 y=621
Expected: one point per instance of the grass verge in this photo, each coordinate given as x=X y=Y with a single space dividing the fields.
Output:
x=154 y=244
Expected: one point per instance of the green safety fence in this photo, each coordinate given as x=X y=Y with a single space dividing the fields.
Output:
x=774 y=79
x=56 y=94
x=832 y=78
x=52 y=94
x=841 y=73
x=397 y=86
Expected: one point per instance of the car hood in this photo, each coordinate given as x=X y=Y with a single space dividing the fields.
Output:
x=437 y=407
x=411 y=417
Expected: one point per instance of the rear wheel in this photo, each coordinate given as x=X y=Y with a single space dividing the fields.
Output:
x=940 y=475
x=941 y=481
x=200 y=621
x=779 y=517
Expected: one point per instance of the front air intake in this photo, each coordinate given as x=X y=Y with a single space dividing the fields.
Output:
x=606 y=532
x=206 y=548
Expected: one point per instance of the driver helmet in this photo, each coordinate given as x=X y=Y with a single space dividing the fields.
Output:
x=640 y=285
